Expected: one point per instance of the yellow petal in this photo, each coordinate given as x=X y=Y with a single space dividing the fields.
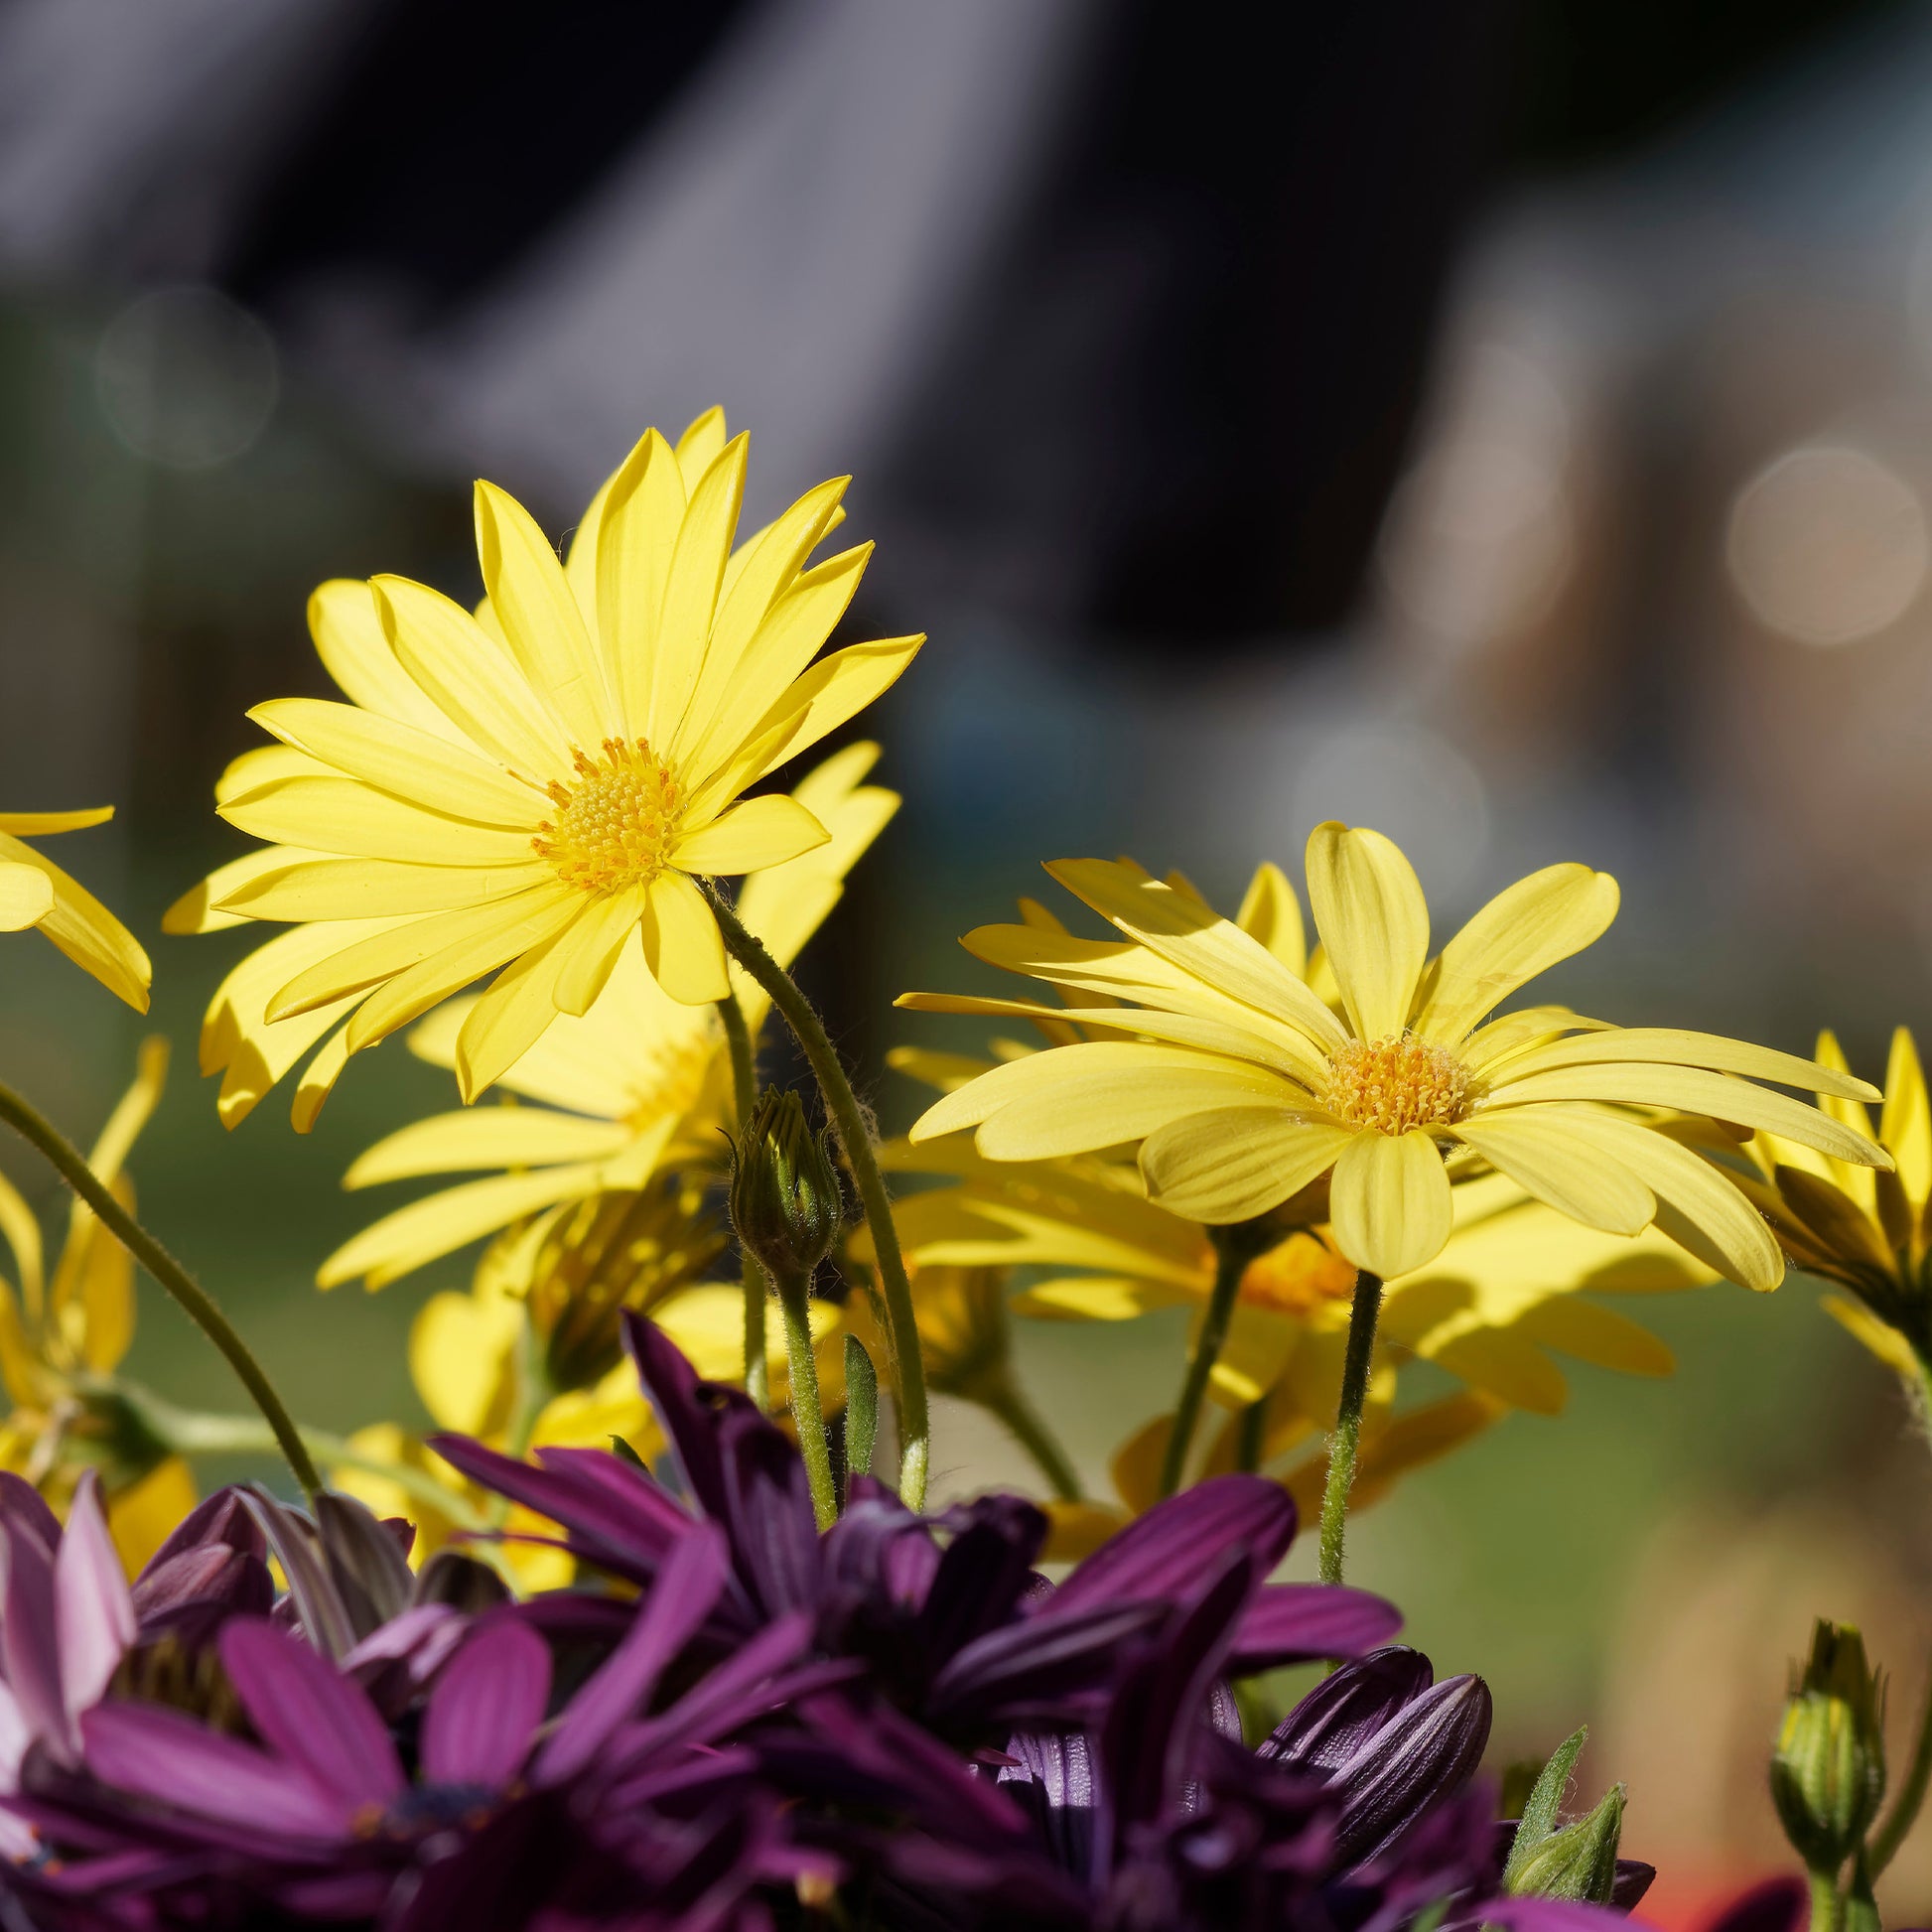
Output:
x=441 y=1223
x=704 y=541
x=1695 y=1090
x=1907 y=1124
x=517 y=928
x=1507 y=1365
x=40 y=825
x=266 y=764
x=26 y=898
x=1524 y=930
x=1519 y=1032
x=750 y=662
x=396 y=949
x=355 y=651
x=349 y=817
x=84 y=928
x=1186 y=934
x=318 y=1080
x=1887 y=1345
x=22 y=1229
x=509 y=1020
x=1096 y=1298
x=1672 y=1047
x=756 y=658
x=1273 y=914
x=1710 y=1216
x=195 y=910
x=1595 y=1335
x=1543 y=1149
x=541 y=622
x=368 y=888
x=1235 y=1163
x=470 y=679
x=682 y=944
x=603 y=934
x=1390 y=1202
x=700 y=446
x=1373 y=921
x=405 y=759
x=1101 y=1093
x=763 y=831
x=485 y=1137
x=636 y=539
x=835 y=688
x=462 y=1358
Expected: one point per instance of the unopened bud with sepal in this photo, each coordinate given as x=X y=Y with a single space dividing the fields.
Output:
x=786 y=1203
x=1576 y=1861
x=1828 y=1772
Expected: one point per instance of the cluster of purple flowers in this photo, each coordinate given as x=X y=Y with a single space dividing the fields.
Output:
x=896 y=1723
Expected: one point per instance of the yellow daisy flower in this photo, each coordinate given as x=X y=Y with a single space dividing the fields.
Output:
x=1240 y=1085
x=34 y=892
x=1870 y=1231
x=638 y=1082
x=530 y=786
x=61 y=1338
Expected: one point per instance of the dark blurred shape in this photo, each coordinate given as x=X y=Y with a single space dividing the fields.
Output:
x=529 y=109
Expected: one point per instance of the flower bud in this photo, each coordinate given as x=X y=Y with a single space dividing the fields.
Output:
x=1828 y=1772
x=1578 y=1861
x=784 y=1197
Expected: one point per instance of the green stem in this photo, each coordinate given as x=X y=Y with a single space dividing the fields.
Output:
x=855 y=1140
x=745 y=1091
x=1889 y=1836
x=1826 y=1903
x=1342 y=1443
x=794 y=1304
x=200 y=1305
x=1234 y=1248
x=1251 y=1436
x=1030 y=1430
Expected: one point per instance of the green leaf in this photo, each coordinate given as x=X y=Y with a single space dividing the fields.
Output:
x=1544 y=1809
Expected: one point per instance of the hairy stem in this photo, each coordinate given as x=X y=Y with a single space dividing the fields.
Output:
x=1342 y=1443
x=1251 y=1433
x=1889 y=1836
x=1234 y=1248
x=1029 y=1428
x=855 y=1140
x=745 y=1090
x=1827 y=1903
x=794 y=1304
x=201 y=1306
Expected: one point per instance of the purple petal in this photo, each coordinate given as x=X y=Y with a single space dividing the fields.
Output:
x=394 y=1662
x=1552 y=1915
x=616 y=1516
x=1165 y=1553
x=1343 y=1712
x=1633 y=1879
x=161 y=1755
x=30 y=1648
x=367 y=1562
x=767 y=1514
x=1037 y=1668
x=1425 y=1753
x=486 y=1708
x=880 y=1550
x=678 y=1603
x=303 y=1706
x=93 y=1616
x=1290 y=1623
x=201 y=1585
x=324 y=1616
x=1777 y=1905
x=692 y=1412
x=984 y=1572
x=22 y=1506
x=223 y=1520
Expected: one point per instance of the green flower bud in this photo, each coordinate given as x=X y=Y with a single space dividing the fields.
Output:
x=785 y=1199
x=1577 y=1861
x=1828 y=1772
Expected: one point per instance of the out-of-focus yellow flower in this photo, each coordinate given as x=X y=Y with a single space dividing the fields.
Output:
x=62 y=1338
x=34 y=892
x=636 y=1083
x=1240 y=1085
x=539 y=786
x=1870 y=1231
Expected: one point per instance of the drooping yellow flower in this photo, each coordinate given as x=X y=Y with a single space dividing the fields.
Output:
x=1240 y=1086
x=62 y=1338
x=1868 y=1231
x=34 y=892
x=540 y=785
x=638 y=1082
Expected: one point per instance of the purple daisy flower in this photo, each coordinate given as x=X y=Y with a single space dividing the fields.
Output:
x=949 y=1615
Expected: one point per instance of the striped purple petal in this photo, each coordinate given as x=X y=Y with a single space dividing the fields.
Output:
x=1343 y=1712
x=487 y=1707
x=30 y=1649
x=161 y=1755
x=1429 y=1752
x=303 y=1708
x=1166 y=1553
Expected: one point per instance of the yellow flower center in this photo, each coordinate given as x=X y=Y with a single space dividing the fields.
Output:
x=616 y=826
x=1397 y=1083
x=1296 y=1276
